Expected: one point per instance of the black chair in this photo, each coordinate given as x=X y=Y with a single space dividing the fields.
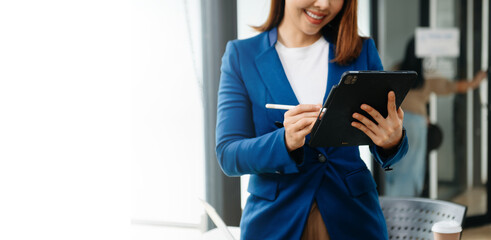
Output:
x=412 y=218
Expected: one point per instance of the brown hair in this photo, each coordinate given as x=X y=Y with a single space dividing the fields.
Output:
x=343 y=29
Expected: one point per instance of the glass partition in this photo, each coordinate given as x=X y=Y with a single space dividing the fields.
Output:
x=457 y=169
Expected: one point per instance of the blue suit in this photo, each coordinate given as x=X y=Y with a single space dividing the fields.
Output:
x=282 y=191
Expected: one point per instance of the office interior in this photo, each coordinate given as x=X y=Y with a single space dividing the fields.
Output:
x=458 y=170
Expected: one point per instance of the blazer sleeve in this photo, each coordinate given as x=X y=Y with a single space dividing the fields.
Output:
x=374 y=63
x=238 y=150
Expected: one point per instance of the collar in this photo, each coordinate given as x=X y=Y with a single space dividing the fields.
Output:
x=273 y=37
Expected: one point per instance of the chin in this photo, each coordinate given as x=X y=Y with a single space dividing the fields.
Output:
x=311 y=31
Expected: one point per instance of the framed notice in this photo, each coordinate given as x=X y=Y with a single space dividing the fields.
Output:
x=437 y=42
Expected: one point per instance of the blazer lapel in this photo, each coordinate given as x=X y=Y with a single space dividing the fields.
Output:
x=273 y=75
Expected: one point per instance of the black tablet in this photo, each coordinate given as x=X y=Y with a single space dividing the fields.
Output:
x=334 y=128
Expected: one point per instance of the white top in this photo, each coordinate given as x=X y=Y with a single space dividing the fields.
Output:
x=306 y=70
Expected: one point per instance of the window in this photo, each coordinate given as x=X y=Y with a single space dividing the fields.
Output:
x=167 y=119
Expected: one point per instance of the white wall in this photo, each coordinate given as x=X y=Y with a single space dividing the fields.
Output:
x=64 y=119
x=167 y=113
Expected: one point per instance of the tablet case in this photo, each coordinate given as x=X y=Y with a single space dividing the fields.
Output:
x=355 y=88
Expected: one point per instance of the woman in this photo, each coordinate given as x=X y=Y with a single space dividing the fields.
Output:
x=300 y=192
x=409 y=176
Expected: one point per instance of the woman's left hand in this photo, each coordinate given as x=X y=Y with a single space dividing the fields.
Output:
x=385 y=132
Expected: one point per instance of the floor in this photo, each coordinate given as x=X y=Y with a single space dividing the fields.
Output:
x=475 y=200
x=478 y=233
x=142 y=232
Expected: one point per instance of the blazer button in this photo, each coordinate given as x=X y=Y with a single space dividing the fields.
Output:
x=321 y=158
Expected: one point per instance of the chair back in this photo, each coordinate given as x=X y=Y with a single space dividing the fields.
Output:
x=412 y=218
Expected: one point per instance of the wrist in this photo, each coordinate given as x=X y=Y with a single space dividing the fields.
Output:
x=395 y=143
x=390 y=151
x=289 y=147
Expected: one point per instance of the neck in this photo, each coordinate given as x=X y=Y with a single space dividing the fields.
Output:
x=292 y=37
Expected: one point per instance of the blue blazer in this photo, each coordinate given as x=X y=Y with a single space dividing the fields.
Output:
x=282 y=191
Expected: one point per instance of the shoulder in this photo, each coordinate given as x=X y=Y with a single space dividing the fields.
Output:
x=256 y=42
x=369 y=55
x=369 y=45
x=244 y=51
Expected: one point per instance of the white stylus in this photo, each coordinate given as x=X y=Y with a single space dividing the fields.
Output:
x=283 y=107
x=279 y=106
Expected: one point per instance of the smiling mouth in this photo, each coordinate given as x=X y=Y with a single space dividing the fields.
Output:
x=315 y=16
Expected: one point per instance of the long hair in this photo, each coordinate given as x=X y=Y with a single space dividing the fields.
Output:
x=413 y=63
x=343 y=29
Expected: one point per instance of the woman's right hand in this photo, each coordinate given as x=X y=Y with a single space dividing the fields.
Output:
x=481 y=75
x=298 y=123
x=464 y=85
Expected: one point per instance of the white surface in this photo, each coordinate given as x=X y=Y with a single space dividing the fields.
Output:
x=168 y=148
x=218 y=221
x=483 y=91
x=215 y=234
x=433 y=42
x=141 y=232
x=366 y=156
x=446 y=227
x=364 y=18
x=64 y=119
x=251 y=13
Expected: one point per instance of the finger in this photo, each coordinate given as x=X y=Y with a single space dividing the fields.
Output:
x=303 y=123
x=364 y=129
x=400 y=113
x=302 y=108
x=306 y=130
x=482 y=75
x=391 y=104
x=367 y=122
x=296 y=118
x=374 y=113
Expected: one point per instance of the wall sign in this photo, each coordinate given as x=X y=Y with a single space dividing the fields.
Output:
x=437 y=42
